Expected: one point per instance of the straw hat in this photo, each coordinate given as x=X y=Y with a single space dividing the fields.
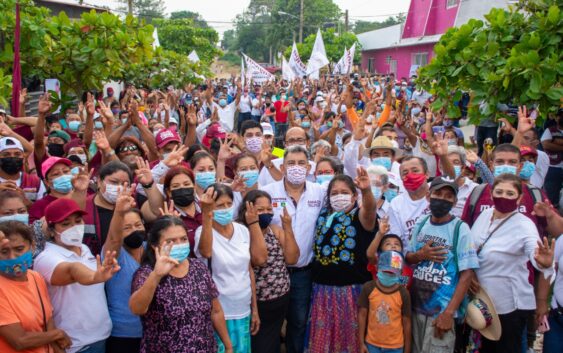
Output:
x=382 y=142
x=482 y=316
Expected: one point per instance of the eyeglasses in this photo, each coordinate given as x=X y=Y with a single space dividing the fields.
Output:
x=299 y=141
x=130 y=148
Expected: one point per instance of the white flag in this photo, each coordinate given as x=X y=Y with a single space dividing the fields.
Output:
x=296 y=64
x=155 y=42
x=287 y=72
x=242 y=73
x=339 y=67
x=318 y=58
x=193 y=56
x=349 y=62
x=256 y=72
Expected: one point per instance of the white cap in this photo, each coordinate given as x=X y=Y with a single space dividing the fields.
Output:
x=173 y=120
x=267 y=129
x=10 y=142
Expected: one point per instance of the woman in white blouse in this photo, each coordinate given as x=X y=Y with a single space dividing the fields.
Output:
x=506 y=240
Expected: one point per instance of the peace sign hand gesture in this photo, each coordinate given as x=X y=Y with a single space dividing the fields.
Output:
x=225 y=151
x=544 y=253
x=285 y=219
x=362 y=181
x=176 y=156
x=164 y=263
x=169 y=210
x=124 y=200
x=143 y=172
x=106 y=269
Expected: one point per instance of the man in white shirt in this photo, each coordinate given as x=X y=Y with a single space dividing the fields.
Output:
x=303 y=201
x=456 y=155
x=226 y=112
x=244 y=107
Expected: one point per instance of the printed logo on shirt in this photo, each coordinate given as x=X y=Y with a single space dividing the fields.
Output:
x=279 y=202
x=314 y=203
x=432 y=272
x=521 y=209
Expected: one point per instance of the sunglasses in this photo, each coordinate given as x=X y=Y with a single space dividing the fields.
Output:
x=130 y=148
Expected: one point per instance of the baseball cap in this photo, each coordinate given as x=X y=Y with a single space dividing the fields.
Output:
x=524 y=151
x=10 y=142
x=173 y=120
x=215 y=130
x=60 y=209
x=441 y=182
x=61 y=134
x=391 y=262
x=2 y=111
x=50 y=162
x=267 y=129
x=165 y=136
x=188 y=99
x=74 y=143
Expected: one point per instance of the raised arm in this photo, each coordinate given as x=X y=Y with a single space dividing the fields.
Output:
x=74 y=272
x=43 y=109
x=205 y=246
x=258 y=249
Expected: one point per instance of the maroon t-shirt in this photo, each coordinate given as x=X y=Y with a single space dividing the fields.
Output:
x=37 y=210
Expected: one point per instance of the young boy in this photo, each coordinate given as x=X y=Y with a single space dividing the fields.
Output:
x=385 y=309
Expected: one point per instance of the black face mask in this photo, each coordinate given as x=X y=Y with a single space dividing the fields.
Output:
x=56 y=149
x=183 y=197
x=440 y=207
x=265 y=219
x=11 y=165
x=135 y=240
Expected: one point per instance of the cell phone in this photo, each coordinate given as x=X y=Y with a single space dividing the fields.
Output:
x=534 y=114
x=543 y=326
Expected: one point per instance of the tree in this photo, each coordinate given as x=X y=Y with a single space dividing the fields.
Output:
x=190 y=15
x=147 y=10
x=513 y=57
x=229 y=41
x=334 y=46
x=182 y=36
x=5 y=88
x=366 y=26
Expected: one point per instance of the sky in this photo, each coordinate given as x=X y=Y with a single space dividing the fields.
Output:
x=220 y=13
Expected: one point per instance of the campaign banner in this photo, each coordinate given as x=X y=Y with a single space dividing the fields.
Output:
x=296 y=64
x=256 y=72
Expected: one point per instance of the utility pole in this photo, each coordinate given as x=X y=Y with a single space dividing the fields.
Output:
x=301 y=23
x=130 y=7
x=346 y=21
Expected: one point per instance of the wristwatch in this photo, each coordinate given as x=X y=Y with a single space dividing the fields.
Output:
x=148 y=186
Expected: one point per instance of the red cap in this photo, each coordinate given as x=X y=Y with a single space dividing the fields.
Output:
x=50 y=162
x=73 y=143
x=214 y=130
x=165 y=136
x=526 y=150
x=60 y=209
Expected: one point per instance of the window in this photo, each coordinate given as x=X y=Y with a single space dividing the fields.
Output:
x=451 y=3
x=393 y=66
x=371 y=65
x=419 y=59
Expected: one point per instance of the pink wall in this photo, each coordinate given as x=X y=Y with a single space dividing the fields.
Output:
x=441 y=18
x=429 y=17
x=403 y=55
x=416 y=18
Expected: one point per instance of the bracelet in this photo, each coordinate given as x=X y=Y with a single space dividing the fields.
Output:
x=110 y=153
x=148 y=186
x=249 y=224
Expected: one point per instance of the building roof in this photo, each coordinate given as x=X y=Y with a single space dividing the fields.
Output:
x=70 y=3
x=381 y=38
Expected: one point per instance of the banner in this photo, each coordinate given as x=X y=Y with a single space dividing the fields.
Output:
x=296 y=64
x=256 y=72
x=349 y=62
x=318 y=58
x=339 y=68
x=193 y=56
x=155 y=42
x=242 y=73
x=287 y=72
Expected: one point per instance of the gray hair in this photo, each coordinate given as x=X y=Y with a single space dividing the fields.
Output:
x=460 y=151
x=295 y=149
x=380 y=171
x=320 y=143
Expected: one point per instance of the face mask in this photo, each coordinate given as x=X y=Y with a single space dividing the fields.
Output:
x=340 y=202
x=306 y=124
x=18 y=266
x=223 y=217
x=448 y=123
x=63 y=184
x=323 y=105
x=296 y=174
x=75 y=171
x=415 y=111
x=115 y=111
x=74 y=125
x=254 y=144
x=250 y=176
x=457 y=170
x=439 y=207
x=124 y=121
x=180 y=252
x=165 y=155
x=265 y=219
x=528 y=168
x=73 y=236
x=329 y=124
x=111 y=193
x=505 y=168
x=135 y=239
x=387 y=279
x=18 y=217
x=341 y=124
x=284 y=97
x=324 y=178
x=376 y=191
x=204 y=179
x=83 y=158
x=11 y=165
x=56 y=149
x=421 y=121
x=505 y=205
x=223 y=102
x=382 y=161
x=183 y=197
x=98 y=125
x=413 y=181
x=452 y=142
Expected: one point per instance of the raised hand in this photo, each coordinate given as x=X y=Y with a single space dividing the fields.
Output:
x=81 y=181
x=164 y=263
x=125 y=200
x=285 y=219
x=169 y=210
x=5 y=130
x=90 y=107
x=225 y=150
x=192 y=116
x=106 y=269
x=362 y=181
x=175 y=157
x=101 y=140
x=544 y=253
x=471 y=156
x=266 y=153
x=251 y=214
x=143 y=171
x=23 y=96
x=524 y=122
x=44 y=106
x=207 y=201
x=440 y=145
x=542 y=209
x=238 y=184
x=384 y=226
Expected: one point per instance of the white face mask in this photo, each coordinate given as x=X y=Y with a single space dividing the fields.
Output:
x=296 y=174
x=111 y=193
x=340 y=202
x=83 y=158
x=73 y=235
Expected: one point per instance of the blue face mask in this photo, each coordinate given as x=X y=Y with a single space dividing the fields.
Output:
x=415 y=111
x=528 y=169
x=505 y=168
x=324 y=178
x=306 y=124
x=341 y=124
x=329 y=124
x=387 y=279
x=250 y=176
x=17 y=266
x=382 y=161
x=75 y=171
x=223 y=217
x=63 y=184
x=98 y=125
x=74 y=125
x=223 y=102
x=457 y=170
x=390 y=194
x=18 y=217
x=377 y=193
x=180 y=252
x=204 y=179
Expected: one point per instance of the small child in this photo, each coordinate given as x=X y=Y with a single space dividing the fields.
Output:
x=384 y=314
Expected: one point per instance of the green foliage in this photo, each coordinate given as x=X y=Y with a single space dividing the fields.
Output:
x=5 y=88
x=334 y=46
x=366 y=26
x=513 y=57
x=194 y=16
x=182 y=36
x=229 y=41
x=231 y=58
x=147 y=10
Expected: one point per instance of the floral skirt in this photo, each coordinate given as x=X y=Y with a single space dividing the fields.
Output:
x=333 y=320
x=239 y=333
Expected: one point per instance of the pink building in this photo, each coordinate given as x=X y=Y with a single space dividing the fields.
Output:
x=402 y=48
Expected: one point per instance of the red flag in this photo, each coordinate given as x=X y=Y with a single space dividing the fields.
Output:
x=16 y=70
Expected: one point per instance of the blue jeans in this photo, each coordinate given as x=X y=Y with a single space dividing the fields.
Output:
x=96 y=347
x=299 y=300
x=552 y=339
x=242 y=117
x=374 y=349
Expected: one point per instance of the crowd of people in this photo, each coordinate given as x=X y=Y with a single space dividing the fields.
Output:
x=328 y=216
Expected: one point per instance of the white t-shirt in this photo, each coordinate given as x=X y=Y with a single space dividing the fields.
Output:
x=429 y=158
x=256 y=108
x=245 y=104
x=403 y=214
x=542 y=165
x=558 y=287
x=548 y=136
x=227 y=115
x=230 y=261
x=81 y=311
x=462 y=195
